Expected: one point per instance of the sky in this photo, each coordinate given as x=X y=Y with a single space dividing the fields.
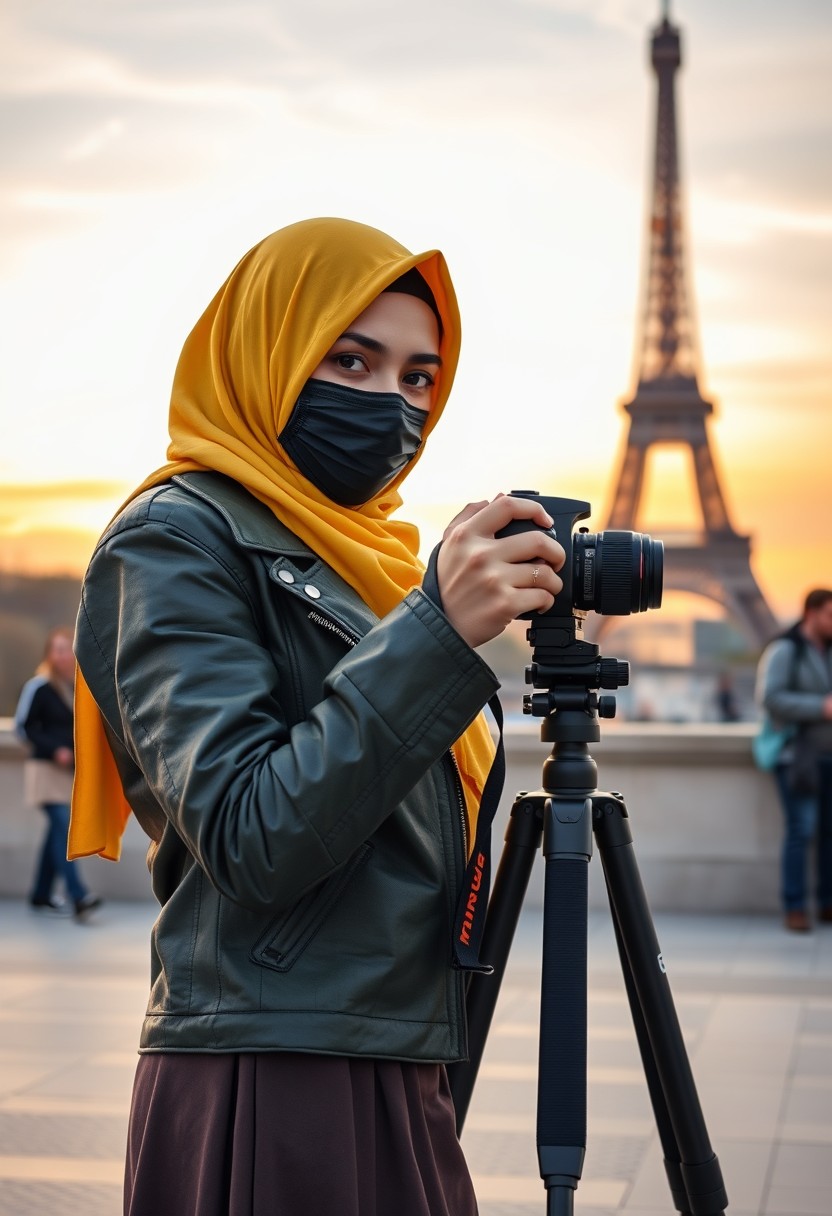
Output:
x=149 y=143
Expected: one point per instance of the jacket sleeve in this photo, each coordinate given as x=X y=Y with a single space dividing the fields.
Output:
x=39 y=725
x=169 y=644
x=776 y=691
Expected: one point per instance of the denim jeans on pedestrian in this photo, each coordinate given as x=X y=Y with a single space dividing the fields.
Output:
x=808 y=821
x=53 y=861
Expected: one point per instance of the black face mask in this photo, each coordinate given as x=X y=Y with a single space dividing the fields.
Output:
x=349 y=443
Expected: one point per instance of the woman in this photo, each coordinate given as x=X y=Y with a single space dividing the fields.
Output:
x=45 y=715
x=295 y=723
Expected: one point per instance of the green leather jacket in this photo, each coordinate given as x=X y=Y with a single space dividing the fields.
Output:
x=287 y=753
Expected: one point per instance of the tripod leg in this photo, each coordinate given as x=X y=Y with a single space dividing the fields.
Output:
x=693 y=1169
x=522 y=842
x=670 y=1149
x=561 y=1093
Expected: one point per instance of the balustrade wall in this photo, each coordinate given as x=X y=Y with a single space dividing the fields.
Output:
x=706 y=823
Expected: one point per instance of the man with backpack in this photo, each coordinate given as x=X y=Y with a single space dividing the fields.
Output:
x=794 y=688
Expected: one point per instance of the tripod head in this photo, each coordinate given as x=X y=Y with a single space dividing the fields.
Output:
x=567 y=671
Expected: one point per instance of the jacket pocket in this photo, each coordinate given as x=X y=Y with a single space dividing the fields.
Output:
x=287 y=936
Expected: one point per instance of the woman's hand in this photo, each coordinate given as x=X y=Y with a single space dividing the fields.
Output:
x=486 y=581
x=63 y=756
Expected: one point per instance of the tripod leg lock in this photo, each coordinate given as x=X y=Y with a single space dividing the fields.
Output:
x=561 y=1165
x=703 y=1190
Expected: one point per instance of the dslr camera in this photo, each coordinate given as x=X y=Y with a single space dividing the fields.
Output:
x=613 y=573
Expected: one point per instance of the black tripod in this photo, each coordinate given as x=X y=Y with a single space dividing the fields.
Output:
x=564 y=815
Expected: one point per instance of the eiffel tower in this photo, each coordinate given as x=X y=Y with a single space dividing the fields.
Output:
x=668 y=407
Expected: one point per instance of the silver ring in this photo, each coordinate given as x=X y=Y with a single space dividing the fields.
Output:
x=535 y=573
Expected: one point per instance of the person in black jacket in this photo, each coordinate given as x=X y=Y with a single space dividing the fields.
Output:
x=292 y=707
x=47 y=726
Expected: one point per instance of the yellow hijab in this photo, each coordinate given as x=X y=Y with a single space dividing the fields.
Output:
x=239 y=375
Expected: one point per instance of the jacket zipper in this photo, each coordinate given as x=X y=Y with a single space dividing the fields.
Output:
x=340 y=630
x=463 y=814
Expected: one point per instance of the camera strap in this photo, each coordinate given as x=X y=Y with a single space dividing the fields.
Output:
x=471 y=908
x=472 y=905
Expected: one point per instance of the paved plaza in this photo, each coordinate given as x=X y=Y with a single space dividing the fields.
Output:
x=755 y=1005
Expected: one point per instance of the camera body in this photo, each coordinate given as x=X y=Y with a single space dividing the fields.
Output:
x=613 y=573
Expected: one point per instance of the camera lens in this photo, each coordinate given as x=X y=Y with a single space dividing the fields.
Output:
x=616 y=573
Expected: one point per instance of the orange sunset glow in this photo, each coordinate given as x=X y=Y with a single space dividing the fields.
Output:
x=147 y=157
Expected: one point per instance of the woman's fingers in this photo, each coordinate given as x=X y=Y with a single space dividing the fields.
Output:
x=486 y=581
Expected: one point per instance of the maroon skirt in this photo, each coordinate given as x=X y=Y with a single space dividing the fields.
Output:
x=293 y=1135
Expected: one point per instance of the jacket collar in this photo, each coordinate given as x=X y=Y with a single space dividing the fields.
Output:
x=297 y=569
x=253 y=524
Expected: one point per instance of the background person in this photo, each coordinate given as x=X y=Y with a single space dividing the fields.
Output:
x=44 y=719
x=794 y=688
x=295 y=720
x=725 y=698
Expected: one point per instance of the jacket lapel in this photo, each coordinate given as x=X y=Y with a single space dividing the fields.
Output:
x=296 y=569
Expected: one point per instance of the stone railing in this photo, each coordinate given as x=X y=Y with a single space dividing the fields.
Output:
x=706 y=823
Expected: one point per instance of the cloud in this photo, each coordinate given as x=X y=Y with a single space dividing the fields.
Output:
x=95 y=140
x=141 y=94
x=514 y=133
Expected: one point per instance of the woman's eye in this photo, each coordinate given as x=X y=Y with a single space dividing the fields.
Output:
x=418 y=380
x=350 y=363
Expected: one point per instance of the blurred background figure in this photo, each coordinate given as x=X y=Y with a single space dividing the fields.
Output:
x=726 y=699
x=44 y=719
x=794 y=688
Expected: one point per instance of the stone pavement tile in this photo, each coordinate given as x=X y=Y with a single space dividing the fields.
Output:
x=791 y=955
x=32 y=1033
x=614 y=1050
x=802 y=1165
x=503 y=1096
x=16 y=987
x=739 y=1107
x=41 y=1198
x=108 y=1076
x=619 y=1101
x=665 y=1208
x=92 y=995
x=817 y=1015
x=19 y=1070
x=35 y=1104
x=28 y=1133
x=805 y=1202
x=744 y=1165
x=813 y=1056
x=797 y=1201
x=501 y=1152
x=61 y=1169
x=756 y=1024
x=807 y=1111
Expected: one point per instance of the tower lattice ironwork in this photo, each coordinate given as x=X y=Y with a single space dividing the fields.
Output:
x=668 y=407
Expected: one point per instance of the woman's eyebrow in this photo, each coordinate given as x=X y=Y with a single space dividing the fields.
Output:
x=380 y=349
